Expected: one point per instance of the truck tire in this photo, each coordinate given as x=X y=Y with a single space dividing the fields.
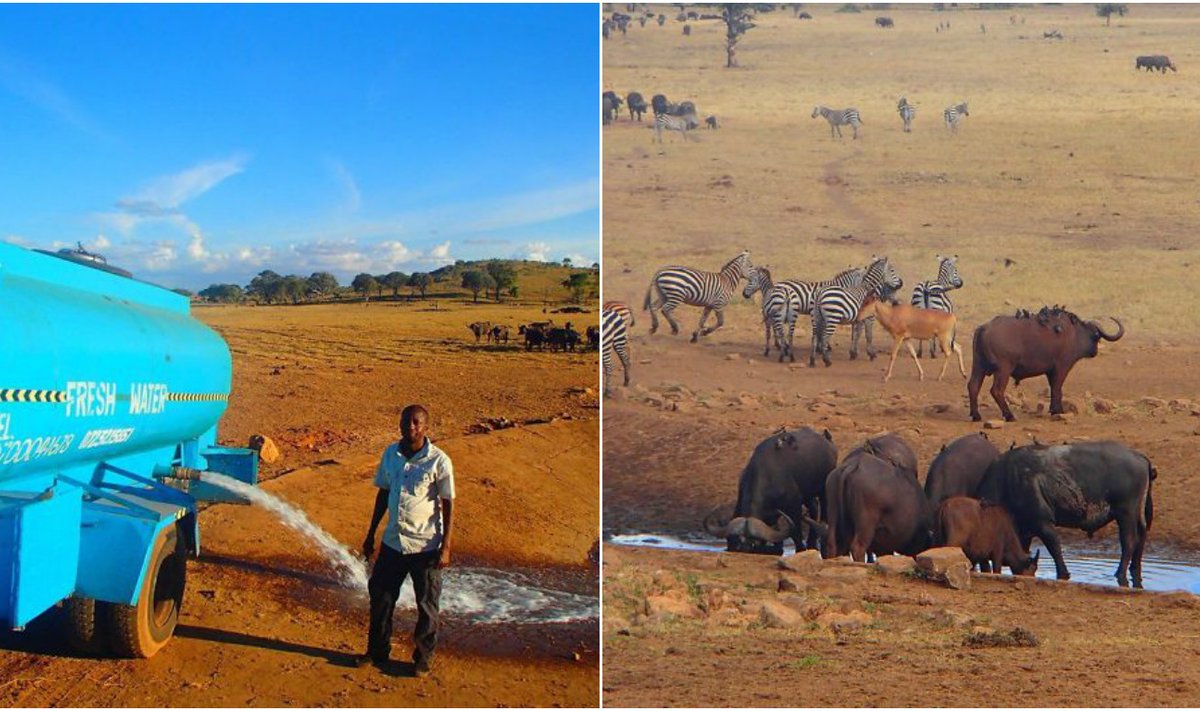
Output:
x=85 y=634
x=140 y=630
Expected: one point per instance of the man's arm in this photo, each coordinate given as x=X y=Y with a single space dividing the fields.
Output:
x=381 y=502
x=447 y=517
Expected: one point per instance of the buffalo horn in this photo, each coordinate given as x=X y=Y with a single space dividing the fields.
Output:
x=716 y=524
x=757 y=528
x=1105 y=336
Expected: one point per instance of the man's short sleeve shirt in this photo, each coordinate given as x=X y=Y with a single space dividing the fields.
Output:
x=415 y=489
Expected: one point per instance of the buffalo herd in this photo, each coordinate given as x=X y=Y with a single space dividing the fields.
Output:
x=538 y=335
x=988 y=503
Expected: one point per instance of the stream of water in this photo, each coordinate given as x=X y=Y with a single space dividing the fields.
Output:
x=478 y=594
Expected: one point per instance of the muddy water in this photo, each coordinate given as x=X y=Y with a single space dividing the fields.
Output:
x=1163 y=568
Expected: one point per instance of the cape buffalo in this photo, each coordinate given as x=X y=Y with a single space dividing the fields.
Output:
x=636 y=104
x=1083 y=485
x=1020 y=348
x=891 y=448
x=959 y=467
x=985 y=533
x=1155 y=61
x=786 y=472
x=873 y=507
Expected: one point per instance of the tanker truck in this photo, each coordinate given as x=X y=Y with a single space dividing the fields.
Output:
x=110 y=393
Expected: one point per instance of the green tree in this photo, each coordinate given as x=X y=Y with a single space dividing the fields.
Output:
x=420 y=281
x=364 y=284
x=395 y=281
x=293 y=288
x=223 y=293
x=1107 y=10
x=738 y=21
x=477 y=281
x=320 y=284
x=265 y=286
x=502 y=274
x=577 y=284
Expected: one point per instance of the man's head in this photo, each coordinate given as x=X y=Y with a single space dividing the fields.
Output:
x=414 y=423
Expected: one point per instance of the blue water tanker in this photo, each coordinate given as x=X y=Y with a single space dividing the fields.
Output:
x=110 y=393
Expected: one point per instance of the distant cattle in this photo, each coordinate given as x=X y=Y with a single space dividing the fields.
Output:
x=804 y=16
x=535 y=335
x=564 y=339
x=499 y=332
x=711 y=121
x=593 y=337
x=481 y=329
x=636 y=104
x=984 y=532
x=884 y=22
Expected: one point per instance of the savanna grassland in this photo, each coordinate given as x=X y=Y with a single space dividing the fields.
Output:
x=1071 y=182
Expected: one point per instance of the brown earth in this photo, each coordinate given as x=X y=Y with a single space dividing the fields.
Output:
x=264 y=622
x=1065 y=185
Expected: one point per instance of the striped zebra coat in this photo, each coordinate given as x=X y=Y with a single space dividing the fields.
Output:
x=684 y=285
x=614 y=338
x=932 y=295
x=834 y=305
x=667 y=122
x=622 y=310
x=838 y=118
x=954 y=114
x=784 y=301
x=907 y=112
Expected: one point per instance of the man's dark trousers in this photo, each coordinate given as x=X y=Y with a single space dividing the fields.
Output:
x=391 y=568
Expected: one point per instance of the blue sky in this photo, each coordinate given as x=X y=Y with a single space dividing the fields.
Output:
x=196 y=144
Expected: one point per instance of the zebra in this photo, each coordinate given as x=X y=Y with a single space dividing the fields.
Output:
x=683 y=124
x=622 y=310
x=838 y=118
x=786 y=300
x=835 y=305
x=932 y=294
x=907 y=113
x=614 y=336
x=954 y=114
x=684 y=285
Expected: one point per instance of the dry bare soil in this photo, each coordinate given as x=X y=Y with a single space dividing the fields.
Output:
x=264 y=622
x=1069 y=183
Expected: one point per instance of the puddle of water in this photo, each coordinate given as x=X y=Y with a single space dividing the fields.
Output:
x=1163 y=568
x=477 y=594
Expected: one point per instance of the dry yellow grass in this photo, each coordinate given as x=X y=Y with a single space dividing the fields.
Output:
x=1072 y=164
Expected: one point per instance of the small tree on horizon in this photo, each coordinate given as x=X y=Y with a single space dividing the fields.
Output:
x=364 y=284
x=577 y=284
x=420 y=281
x=503 y=276
x=737 y=20
x=477 y=281
x=1107 y=10
x=395 y=281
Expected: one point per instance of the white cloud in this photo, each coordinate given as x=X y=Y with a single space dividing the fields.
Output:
x=579 y=260
x=171 y=191
x=536 y=252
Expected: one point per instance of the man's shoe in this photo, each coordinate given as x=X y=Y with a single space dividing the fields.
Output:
x=362 y=660
x=423 y=668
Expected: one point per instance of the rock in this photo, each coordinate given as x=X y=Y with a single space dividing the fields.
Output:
x=844 y=621
x=805 y=562
x=267 y=451
x=1104 y=407
x=1152 y=402
x=896 y=564
x=669 y=606
x=1179 y=405
x=993 y=424
x=938 y=408
x=774 y=614
x=846 y=572
x=732 y=356
x=948 y=565
x=787 y=585
x=1196 y=431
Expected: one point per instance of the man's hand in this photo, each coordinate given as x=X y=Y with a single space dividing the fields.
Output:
x=368 y=548
x=444 y=558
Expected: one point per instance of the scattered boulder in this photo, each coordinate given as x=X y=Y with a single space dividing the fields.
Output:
x=778 y=615
x=1152 y=402
x=669 y=606
x=947 y=564
x=805 y=562
x=265 y=446
x=993 y=424
x=840 y=622
x=896 y=564
x=1104 y=407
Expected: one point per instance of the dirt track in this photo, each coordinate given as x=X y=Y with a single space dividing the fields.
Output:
x=264 y=623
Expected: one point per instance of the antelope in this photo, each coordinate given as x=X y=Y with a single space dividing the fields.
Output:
x=904 y=321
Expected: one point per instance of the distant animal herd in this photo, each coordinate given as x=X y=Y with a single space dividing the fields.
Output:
x=538 y=335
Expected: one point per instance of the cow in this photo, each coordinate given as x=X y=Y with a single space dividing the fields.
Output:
x=593 y=337
x=873 y=507
x=1021 y=348
x=562 y=338
x=959 y=467
x=637 y=106
x=499 y=332
x=534 y=336
x=1155 y=61
x=785 y=474
x=884 y=22
x=985 y=533
x=1084 y=485
x=804 y=16
x=891 y=448
x=481 y=329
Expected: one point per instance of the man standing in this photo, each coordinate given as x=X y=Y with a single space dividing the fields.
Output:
x=416 y=491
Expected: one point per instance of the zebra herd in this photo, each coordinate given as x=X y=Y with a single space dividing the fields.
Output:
x=837 y=118
x=829 y=303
